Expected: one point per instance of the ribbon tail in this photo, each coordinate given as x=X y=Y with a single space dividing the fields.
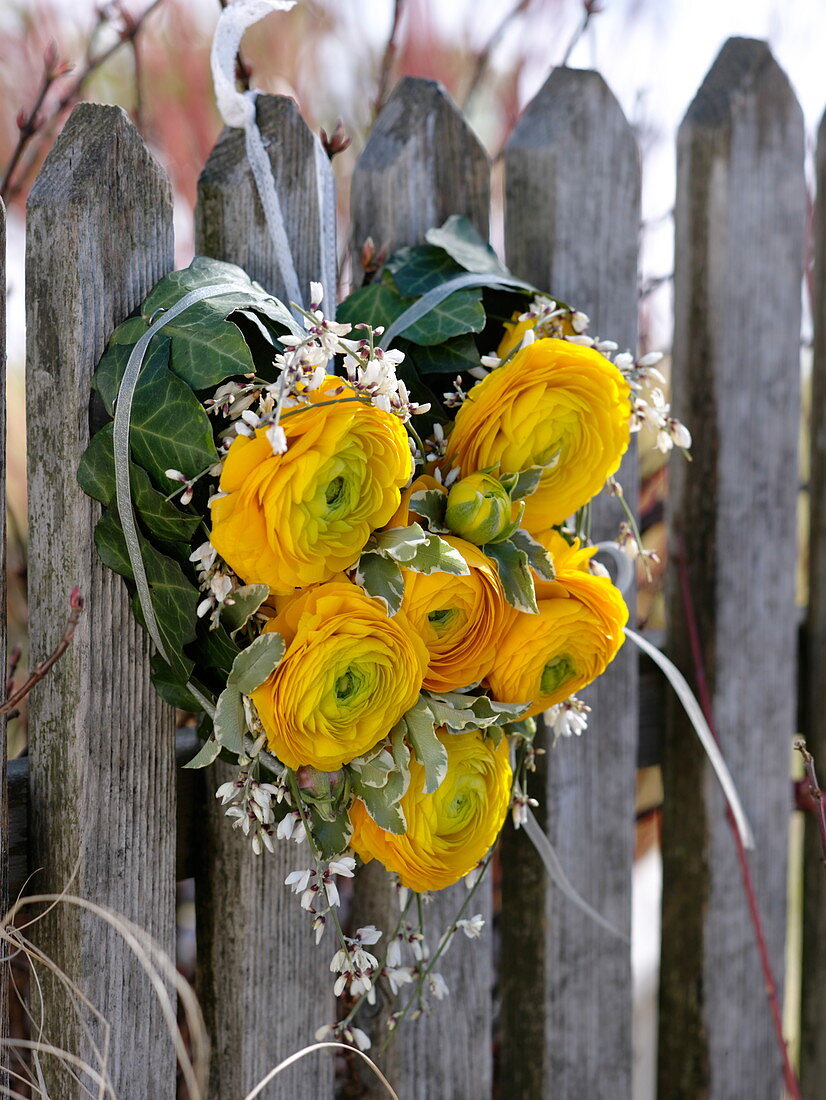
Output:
x=557 y=875
x=701 y=728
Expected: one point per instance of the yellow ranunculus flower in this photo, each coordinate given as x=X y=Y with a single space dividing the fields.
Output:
x=298 y=518
x=459 y=619
x=544 y=658
x=348 y=675
x=479 y=509
x=555 y=404
x=449 y=831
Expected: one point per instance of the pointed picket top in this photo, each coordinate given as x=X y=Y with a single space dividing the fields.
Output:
x=572 y=168
x=739 y=232
x=744 y=76
x=229 y=218
x=423 y=154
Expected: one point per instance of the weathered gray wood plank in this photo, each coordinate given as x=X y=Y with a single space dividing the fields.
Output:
x=813 y=1011
x=739 y=234
x=421 y=164
x=264 y=985
x=102 y=794
x=572 y=192
x=229 y=219
x=4 y=802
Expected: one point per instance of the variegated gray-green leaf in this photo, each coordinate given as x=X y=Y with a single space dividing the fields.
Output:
x=382 y=579
x=401 y=543
x=429 y=750
x=538 y=557
x=206 y=754
x=245 y=602
x=229 y=721
x=437 y=556
x=430 y=504
x=255 y=663
x=515 y=575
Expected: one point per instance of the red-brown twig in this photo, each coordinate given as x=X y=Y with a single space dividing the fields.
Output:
x=33 y=126
x=484 y=55
x=14 y=661
x=704 y=696
x=813 y=792
x=590 y=8
x=42 y=668
x=388 y=59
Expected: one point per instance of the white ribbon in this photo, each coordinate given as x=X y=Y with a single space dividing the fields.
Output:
x=123 y=488
x=238 y=110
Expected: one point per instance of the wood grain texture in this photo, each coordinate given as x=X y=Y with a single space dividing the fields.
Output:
x=229 y=218
x=813 y=1009
x=264 y=985
x=572 y=192
x=421 y=164
x=739 y=234
x=4 y=802
x=102 y=794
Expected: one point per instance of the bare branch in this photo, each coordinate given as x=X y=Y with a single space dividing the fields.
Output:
x=814 y=792
x=388 y=59
x=484 y=55
x=42 y=668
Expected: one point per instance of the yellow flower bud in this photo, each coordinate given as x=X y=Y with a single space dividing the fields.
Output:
x=478 y=509
x=557 y=405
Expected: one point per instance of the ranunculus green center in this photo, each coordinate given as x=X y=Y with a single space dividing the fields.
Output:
x=346 y=685
x=334 y=492
x=555 y=673
x=441 y=618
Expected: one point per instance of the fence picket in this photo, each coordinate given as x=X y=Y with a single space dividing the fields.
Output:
x=738 y=248
x=4 y=801
x=421 y=164
x=264 y=985
x=102 y=793
x=572 y=189
x=813 y=1008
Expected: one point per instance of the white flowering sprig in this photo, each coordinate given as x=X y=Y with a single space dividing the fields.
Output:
x=216 y=580
x=250 y=807
x=568 y=718
x=648 y=404
x=186 y=486
x=372 y=371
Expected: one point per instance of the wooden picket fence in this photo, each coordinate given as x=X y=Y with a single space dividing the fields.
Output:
x=100 y=802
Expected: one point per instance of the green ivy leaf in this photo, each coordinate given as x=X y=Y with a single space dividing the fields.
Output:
x=206 y=350
x=255 y=663
x=174 y=598
x=378 y=304
x=230 y=722
x=245 y=603
x=382 y=579
x=459 y=313
x=538 y=557
x=451 y=357
x=214 y=649
x=429 y=750
x=463 y=243
x=96 y=477
x=169 y=687
x=110 y=369
x=170 y=429
x=421 y=268
x=515 y=575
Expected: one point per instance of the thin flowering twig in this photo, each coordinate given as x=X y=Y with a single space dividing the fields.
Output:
x=590 y=8
x=33 y=126
x=388 y=58
x=704 y=696
x=484 y=55
x=814 y=792
x=42 y=668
